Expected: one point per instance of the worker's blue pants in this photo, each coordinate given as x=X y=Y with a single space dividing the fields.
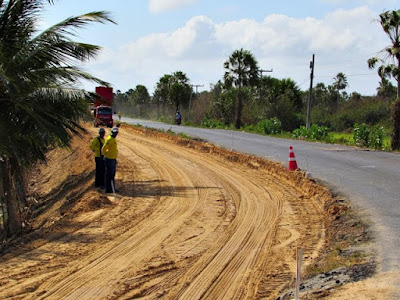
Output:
x=99 y=178
x=110 y=165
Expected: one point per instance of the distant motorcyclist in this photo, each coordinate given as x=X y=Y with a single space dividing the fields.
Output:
x=178 y=117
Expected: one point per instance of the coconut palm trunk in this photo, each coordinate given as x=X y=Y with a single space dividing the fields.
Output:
x=241 y=70
x=396 y=124
x=13 y=224
x=395 y=111
x=239 y=108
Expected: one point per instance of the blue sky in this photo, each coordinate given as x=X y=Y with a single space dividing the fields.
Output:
x=157 y=37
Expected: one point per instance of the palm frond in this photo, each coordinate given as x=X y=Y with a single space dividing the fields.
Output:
x=68 y=26
x=372 y=62
x=34 y=71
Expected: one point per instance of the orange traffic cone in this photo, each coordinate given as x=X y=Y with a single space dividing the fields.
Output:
x=292 y=160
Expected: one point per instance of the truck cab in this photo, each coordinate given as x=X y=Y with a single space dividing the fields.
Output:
x=103 y=113
x=103 y=116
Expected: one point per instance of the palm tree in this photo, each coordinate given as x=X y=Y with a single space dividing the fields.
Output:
x=161 y=92
x=174 y=89
x=142 y=94
x=180 y=89
x=386 y=89
x=340 y=81
x=40 y=108
x=242 y=70
x=390 y=22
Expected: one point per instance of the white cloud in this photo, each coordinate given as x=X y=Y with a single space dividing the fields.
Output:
x=342 y=41
x=159 y=6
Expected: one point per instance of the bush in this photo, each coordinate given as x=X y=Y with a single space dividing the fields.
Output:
x=366 y=110
x=253 y=129
x=273 y=126
x=269 y=126
x=314 y=133
x=361 y=135
x=368 y=136
x=212 y=123
x=376 y=137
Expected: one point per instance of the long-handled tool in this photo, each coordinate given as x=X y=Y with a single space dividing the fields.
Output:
x=113 y=188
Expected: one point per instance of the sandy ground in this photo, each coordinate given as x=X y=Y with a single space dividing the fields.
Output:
x=191 y=221
x=380 y=286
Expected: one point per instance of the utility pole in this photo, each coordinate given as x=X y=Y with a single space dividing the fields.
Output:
x=197 y=85
x=310 y=92
x=190 y=99
x=265 y=71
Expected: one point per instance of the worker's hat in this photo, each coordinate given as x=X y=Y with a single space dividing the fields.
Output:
x=114 y=130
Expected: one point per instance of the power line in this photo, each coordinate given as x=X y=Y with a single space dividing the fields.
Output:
x=375 y=73
x=304 y=82
x=351 y=75
x=190 y=99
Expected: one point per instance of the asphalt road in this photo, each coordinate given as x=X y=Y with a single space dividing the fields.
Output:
x=370 y=179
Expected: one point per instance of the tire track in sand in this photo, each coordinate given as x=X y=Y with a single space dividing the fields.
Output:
x=206 y=228
x=94 y=280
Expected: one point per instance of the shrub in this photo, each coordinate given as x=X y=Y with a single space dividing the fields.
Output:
x=269 y=126
x=273 y=126
x=368 y=136
x=212 y=123
x=365 y=110
x=361 y=134
x=253 y=128
x=314 y=133
x=376 y=137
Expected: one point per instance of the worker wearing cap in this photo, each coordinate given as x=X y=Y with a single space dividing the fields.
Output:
x=110 y=152
x=96 y=146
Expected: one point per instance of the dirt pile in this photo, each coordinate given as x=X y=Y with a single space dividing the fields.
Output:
x=63 y=187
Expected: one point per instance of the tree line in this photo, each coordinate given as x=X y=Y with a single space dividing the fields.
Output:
x=243 y=97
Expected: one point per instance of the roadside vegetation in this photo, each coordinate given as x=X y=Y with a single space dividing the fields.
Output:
x=275 y=107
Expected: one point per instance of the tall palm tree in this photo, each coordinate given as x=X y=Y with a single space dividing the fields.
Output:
x=40 y=108
x=340 y=81
x=241 y=70
x=142 y=94
x=389 y=60
x=386 y=89
x=174 y=89
x=180 y=89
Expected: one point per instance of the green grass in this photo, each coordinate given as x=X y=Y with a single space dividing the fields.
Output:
x=387 y=140
x=347 y=139
x=335 y=259
x=342 y=138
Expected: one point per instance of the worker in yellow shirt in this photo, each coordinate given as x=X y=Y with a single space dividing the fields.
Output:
x=110 y=152
x=96 y=146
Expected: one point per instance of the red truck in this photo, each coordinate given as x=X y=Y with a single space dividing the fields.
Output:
x=103 y=114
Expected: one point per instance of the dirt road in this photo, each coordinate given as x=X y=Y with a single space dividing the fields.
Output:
x=192 y=222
